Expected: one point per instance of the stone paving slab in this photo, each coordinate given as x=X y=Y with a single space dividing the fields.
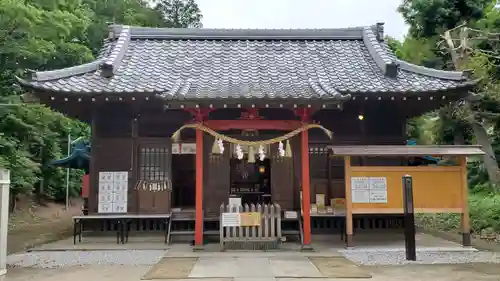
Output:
x=293 y=267
x=254 y=267
x=231 y=267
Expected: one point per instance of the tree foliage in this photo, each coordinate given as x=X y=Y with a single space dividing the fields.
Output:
x=52 y=34
x=429 y=18
x=180 y=13
x=460 y=34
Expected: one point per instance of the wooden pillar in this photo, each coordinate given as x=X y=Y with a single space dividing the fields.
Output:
x=348 y=201
x=199 y=115
x=306 y=189
x=134 y=171
x=198 y=228
x=93 y=197
x=329 y=190
x=466 y=236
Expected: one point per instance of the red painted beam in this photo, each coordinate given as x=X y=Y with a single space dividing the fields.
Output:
x=281 y=125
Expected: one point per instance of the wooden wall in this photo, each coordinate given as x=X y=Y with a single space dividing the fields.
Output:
x=119 y=133
x=435 y=189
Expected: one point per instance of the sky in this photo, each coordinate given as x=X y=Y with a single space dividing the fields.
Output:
x=302 y=14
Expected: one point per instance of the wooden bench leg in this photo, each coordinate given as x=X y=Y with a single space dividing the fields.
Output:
x=122 y=231
x=167 y=230
x=74 y=231
x=118 y=231
x=127 y=229
x=80 y=231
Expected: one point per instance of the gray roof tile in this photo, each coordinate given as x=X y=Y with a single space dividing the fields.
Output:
x=209 y=63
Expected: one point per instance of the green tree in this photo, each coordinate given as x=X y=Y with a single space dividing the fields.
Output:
x=46 y=35
x=465 y=33
x=180 y=13
x=429 y=18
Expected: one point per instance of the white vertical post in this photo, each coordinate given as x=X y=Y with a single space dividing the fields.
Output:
x=67 y=174
x=4 y=217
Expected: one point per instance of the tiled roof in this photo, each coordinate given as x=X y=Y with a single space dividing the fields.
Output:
x=220 y=63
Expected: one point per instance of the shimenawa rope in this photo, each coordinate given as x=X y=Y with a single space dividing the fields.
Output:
x=177 y=134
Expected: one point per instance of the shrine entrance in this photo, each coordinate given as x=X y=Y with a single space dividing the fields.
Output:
x=251 y=181
x=183 y=181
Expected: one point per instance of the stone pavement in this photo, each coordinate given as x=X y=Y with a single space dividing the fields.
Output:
x=111 y=262
x=476 y=272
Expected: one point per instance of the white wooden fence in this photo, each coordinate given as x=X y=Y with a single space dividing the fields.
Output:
x=250 y=226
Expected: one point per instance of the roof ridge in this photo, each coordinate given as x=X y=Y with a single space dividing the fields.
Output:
x=136 y=32
x=66 y=72
x=390 y=65
x=383 y=61
x=114 y=59
x=432 y=72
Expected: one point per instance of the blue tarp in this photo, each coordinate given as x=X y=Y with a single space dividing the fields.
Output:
x=428 y=158
x=79 y=157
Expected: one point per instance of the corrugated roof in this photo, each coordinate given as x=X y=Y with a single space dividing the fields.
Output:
x=275 y=64
x=407 y=150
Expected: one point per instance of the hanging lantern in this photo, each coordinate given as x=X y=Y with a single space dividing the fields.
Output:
x=281 y=150
x=262 y=153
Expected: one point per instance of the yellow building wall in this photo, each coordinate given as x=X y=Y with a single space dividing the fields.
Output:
x=436 y=189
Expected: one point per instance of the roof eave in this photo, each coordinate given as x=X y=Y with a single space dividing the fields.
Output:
x=436 y=73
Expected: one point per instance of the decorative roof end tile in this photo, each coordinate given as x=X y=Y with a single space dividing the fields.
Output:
x=380 y=31
x=392 y=69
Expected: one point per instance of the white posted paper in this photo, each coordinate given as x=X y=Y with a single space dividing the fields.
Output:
x=378 y=190
x=358 y=183
x=113 y=192
x=369 y=190
x=360 y=190
x=231 y=219
x=361 y=196
x=235 y=201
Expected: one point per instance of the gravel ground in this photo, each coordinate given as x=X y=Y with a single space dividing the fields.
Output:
x=423 y=257
x=57 y=259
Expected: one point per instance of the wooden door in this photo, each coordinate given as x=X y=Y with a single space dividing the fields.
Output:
x=282 y=184
x=109 y=155
x=217 y=169
x=154 y=185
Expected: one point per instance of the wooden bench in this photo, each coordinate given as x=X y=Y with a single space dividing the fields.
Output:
x=122 y=220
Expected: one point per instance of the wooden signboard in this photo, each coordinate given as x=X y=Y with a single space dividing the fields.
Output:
x=250 y=219
x=231 y=219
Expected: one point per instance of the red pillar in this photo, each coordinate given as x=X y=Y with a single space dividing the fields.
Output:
x=198 y=228
x=199 y=116
x=305 y=114
x=306 y=189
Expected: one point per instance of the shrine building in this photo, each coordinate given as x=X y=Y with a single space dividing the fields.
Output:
x=185 y=119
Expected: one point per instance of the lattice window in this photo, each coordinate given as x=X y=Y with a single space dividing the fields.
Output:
x=153 y=164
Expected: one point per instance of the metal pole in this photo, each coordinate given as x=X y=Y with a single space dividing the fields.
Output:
x=67 y=174
x=409 y=219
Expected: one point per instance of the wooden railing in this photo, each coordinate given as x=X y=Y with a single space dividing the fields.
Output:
x=250 y=226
